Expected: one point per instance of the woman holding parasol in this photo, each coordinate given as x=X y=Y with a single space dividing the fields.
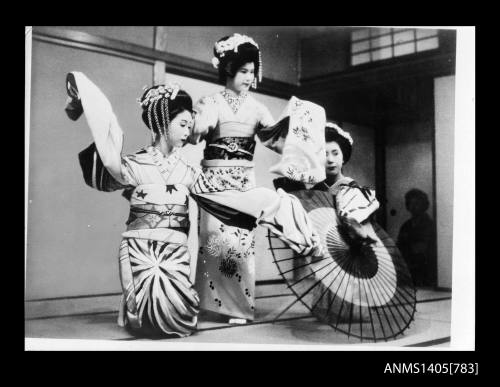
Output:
x=361 y=285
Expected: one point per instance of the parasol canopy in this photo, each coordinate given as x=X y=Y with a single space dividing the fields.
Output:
x=361 y=288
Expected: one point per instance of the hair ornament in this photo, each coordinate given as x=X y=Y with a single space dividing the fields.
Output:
x=231 y=44
x=168 y=91
x=341 y=132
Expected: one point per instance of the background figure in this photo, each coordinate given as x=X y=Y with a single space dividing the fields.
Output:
x=417 y=239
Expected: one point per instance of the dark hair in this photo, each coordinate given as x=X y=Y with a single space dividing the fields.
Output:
x=420 y=195
x=232 y=61
x=345 y=146
x=177 y=105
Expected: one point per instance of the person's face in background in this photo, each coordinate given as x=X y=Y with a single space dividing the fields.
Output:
x=243 y=78
x=179 y=129
x=415 y=206
x=334 y=159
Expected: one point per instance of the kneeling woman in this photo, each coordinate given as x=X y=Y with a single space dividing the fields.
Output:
x=158 y=296
x=354 y=204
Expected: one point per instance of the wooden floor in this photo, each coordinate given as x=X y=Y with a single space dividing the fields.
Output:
x=90 y=324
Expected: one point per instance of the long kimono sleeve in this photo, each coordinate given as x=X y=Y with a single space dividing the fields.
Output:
x=299 y=136
x=277 y=211
x=355 y=205
x=356 y=202
x=106 y=132
x=214 y=205
x=95 y=174
x=205 y=119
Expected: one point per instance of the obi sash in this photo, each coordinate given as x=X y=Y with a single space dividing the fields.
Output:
x=230 y=148
x=149 y=216
x=159 y=206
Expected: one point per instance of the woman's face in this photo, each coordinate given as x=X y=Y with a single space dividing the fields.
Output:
x=180 y=128
x=243 y=78
x=334 y=158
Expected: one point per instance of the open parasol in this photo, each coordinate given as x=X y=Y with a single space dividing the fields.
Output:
x=363 y=289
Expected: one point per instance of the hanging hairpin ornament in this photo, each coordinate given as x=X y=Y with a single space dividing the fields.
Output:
x=159 y=95
x=231 y=44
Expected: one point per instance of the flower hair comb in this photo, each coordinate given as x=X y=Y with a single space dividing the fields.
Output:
x=163 y=91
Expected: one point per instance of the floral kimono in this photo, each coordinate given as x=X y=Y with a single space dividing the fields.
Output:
x=225 y=274
x=154 y=257
x=225 y=277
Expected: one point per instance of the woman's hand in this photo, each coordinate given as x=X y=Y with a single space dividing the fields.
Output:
x=358 y=231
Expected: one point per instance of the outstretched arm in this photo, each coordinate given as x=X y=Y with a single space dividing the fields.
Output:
x=96 y=175
x=103 y=124
x=205 y=119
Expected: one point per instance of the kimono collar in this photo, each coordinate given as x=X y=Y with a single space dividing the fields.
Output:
x=347 y=181
x=336 y=186
x=165 y=164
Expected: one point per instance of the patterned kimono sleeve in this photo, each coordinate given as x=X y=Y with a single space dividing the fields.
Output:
x=98 y=177
x=355 y=205
x=299 y=136
x=356 y=202
x=205 y=119
x=207 y=197
x=277 y=211
x=104 y=127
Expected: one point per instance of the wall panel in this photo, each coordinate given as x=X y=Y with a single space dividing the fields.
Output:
x=141 y=35
x=73 y=230
x=279 y=46
x=444 y=96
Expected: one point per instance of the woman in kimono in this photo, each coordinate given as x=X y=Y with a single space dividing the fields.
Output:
x=228 y=121
x=366 y=287
x=383 y=268
x=158 y=296
x=354 y=204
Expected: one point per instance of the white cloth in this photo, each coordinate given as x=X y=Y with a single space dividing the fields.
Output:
x=106 y=131
x=303 y=149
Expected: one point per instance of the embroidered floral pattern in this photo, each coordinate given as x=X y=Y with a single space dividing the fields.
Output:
x=302 y=133
x=296 y=173
x=228 y=267
x=214 y=245
x=231 y=247
x=229 y=178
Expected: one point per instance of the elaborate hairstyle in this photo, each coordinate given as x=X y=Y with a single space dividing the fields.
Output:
x=232 y=52
x=161 y=104
x=333 y=132
x=420 y=195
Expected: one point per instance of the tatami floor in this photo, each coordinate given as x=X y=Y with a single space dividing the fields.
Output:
x=94 y=321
